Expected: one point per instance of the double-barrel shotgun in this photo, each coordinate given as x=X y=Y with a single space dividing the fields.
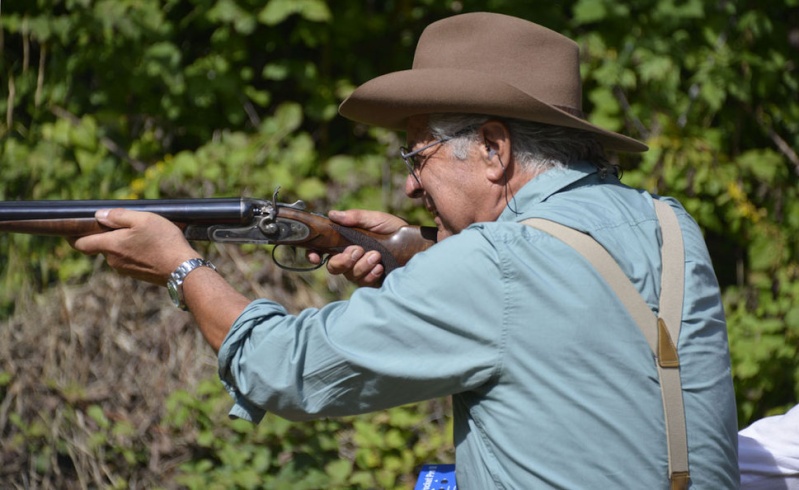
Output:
x=223 y=220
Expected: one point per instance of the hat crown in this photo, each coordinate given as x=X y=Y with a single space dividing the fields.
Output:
x=484 y=63
x=529 y=57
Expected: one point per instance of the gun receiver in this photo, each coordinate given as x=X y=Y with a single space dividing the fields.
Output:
x=224 y=220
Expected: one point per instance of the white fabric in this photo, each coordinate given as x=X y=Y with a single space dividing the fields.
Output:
x=768 y=453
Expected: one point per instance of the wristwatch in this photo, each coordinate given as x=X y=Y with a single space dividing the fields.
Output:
x=175 y=283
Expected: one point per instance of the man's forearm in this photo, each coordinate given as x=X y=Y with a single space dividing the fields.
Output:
x=214 y=303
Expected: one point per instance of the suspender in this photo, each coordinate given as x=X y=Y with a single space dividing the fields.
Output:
x=661 y=332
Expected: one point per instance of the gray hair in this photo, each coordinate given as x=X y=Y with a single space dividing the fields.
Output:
x=535 y=146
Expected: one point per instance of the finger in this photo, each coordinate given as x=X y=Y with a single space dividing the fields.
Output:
x=120 y=217
x=351 y=217
x=365 y=266
x=90 y=244
x=363 y=269
x=115 y=219
x=344 y=262
x=374 y=277
x=367 y=271
x=371 y=220
x=313 y=257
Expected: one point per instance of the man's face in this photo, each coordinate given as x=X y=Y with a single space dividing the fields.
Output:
x=451 y=189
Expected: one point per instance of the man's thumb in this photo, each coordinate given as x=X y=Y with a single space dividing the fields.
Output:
x=112 y=218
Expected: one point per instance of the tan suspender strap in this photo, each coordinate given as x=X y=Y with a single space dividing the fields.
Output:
x=672 y=287
x=672 y=279
x=658 y=331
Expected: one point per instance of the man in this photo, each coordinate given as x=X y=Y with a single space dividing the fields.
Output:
x=553 y=383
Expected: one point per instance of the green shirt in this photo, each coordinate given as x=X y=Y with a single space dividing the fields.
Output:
x=553 y=384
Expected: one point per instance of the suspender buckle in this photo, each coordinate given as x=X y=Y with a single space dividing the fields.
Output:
x=667 y=351
x=679 y=480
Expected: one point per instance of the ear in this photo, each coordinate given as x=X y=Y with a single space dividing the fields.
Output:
x=496 y=150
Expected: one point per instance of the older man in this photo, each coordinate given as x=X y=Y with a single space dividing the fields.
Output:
x=558 y=379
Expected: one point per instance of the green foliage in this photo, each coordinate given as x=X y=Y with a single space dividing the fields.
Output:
x=382 y=450
x=172 y=98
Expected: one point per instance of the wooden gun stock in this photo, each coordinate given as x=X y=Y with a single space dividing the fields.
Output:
x=396 y=249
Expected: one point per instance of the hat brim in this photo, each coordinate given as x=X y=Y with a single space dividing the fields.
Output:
x=389 y=100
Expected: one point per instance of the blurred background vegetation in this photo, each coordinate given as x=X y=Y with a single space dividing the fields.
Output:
x=102 y=384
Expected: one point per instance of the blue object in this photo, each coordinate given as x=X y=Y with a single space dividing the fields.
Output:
x=437 y=477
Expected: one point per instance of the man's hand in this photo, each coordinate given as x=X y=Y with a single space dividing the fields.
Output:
x=144 y=246
x=149 y=247
x=361 y=268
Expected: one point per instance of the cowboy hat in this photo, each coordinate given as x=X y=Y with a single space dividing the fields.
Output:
x=484 y=63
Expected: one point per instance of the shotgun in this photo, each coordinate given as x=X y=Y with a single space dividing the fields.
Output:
x=223 y=220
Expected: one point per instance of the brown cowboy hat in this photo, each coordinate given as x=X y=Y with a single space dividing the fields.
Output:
x=484 y=63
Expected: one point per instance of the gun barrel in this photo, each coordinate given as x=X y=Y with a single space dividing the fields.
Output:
x=189 y=211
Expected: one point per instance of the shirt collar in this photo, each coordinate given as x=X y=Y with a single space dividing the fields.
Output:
x=544 y=185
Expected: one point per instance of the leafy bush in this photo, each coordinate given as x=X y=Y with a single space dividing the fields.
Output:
x=173 y=98
x=381 y=450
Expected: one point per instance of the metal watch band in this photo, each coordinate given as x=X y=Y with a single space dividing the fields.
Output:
x=175 y=282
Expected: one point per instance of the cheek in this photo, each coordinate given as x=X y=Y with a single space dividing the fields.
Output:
x=452 y=195
x=461 y=203
x=454 y=207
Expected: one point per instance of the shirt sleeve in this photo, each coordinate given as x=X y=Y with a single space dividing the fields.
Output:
x=768 y=452
x=434 y=328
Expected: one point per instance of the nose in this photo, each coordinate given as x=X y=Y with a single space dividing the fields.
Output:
x=413 y=187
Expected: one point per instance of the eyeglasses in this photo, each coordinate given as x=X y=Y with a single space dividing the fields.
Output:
x=409 y=157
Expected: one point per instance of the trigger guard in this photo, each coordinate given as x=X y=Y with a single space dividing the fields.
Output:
x=289 y=268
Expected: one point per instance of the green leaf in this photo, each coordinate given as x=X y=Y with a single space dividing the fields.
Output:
x=338 y=471
x=764 y=253
x=312 y=189
x=765 y=164
x=655 y=68
x=589 y=11
x=288 y=116
x=97 y=414
x=227 y=11
x=276 y=11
